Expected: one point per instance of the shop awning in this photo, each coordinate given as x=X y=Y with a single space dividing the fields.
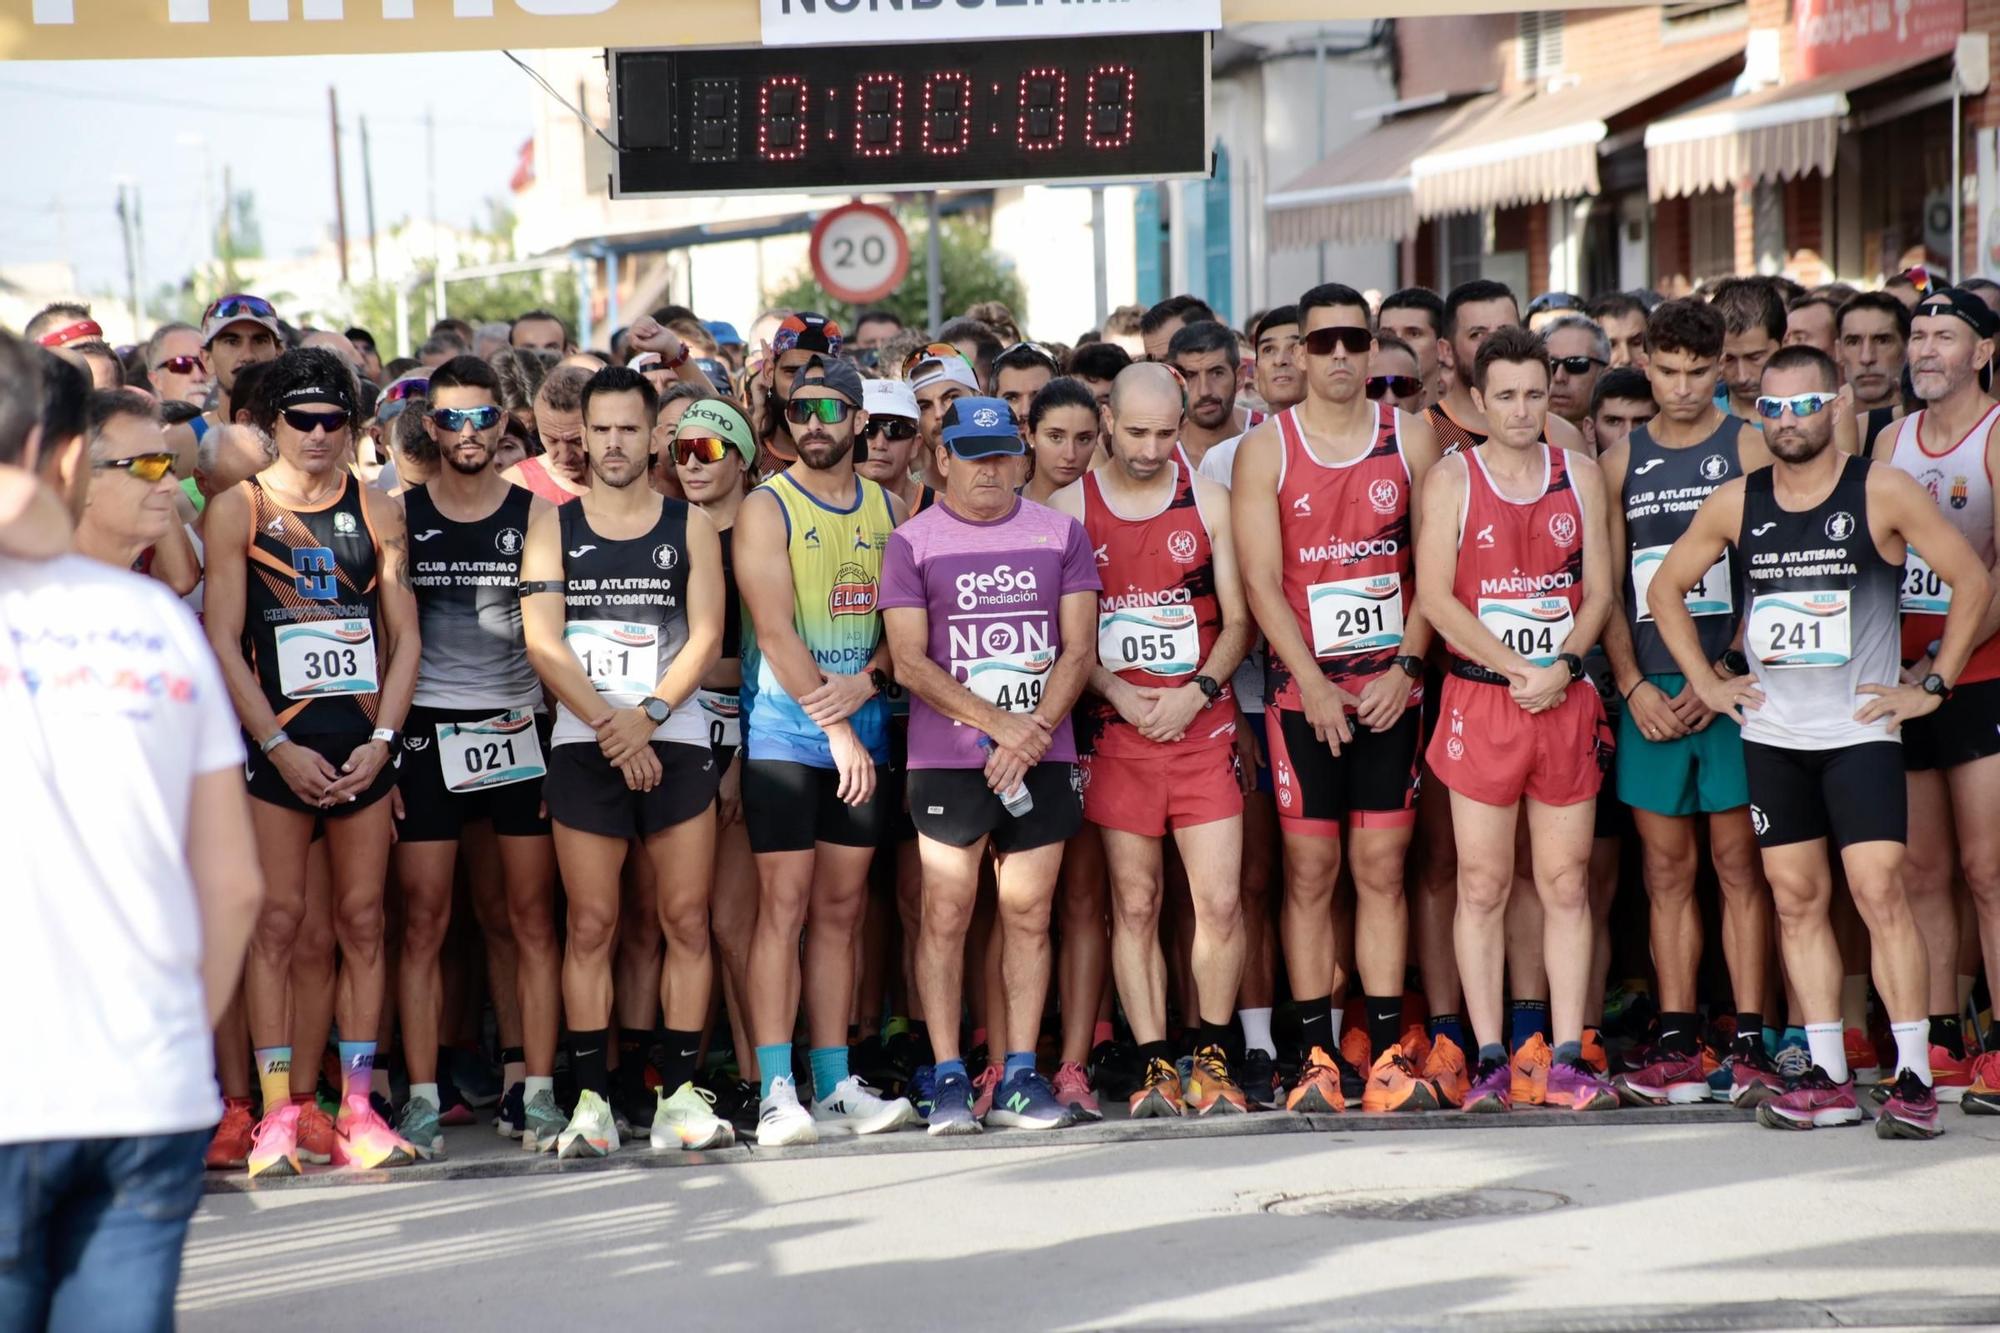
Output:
x=1363 y=191
x=1774 y=133
x=1540 y=145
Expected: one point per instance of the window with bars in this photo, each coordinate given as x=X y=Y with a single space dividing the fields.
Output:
x=1538 y=45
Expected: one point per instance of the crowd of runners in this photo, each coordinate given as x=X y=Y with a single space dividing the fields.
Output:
x=1404 y=703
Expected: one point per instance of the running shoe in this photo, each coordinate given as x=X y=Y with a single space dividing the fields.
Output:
x=737 y=1102
x=1072 y=1089
x=229 y=1146
x=1416 y=1044
x=1395 y=1085
x=456 y=1110
x=1594 y=1053
x=983 y=1085
x=542 y=1122
x=1026 y=1101
x=363 y=1139
x=1753 y=1079
x=1531 y=1070
x=951 y=1106
x=316 y=1132
x=1911 y=1112
x=922 y=1090
x=507 y=1120
x=1793 y=1061
x=1444 y=1069
x=632 y=1102
x=856 y=1108
x=592 y=1130
x=418 y=1126
x=1491 y=1090
x=1115 y=1068
x=274 y=1144
x=1862 y=1061
x=1814 y=1102
x=1983 y=1097
x=1951 y=1074
x=1159 y=1094
x=1355 y=1054
x=1574 y=1084
x=781 y=1121
x=1208 y=1089
x=1257 y=1074
x=1666 y=1080
x=903 y=1053
x=688 y=1120
x=1318 y=1090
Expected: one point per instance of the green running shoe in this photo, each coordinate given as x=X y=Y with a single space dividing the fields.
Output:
x=592 y=1132
x=417 y=1124
x=542 y=1122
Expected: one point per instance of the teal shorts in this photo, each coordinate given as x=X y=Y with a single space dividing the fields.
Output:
x=1698 y=774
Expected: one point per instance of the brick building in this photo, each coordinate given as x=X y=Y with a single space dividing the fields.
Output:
x=1587 y=150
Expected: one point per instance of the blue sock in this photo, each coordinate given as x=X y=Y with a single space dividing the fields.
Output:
x=1493 y=1051
x=946 y=1068
x=1019 y=1062
x=1529 y=1017
x=1447 y=1025
x=1569 y=1050
x=829 y=1067
x=1794 y=1037
x=773 y=1062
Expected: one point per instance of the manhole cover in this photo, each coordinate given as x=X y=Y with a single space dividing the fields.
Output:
x=1416 y=1205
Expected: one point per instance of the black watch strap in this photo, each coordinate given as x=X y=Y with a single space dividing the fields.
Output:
x=880 y=679
x=1934 y=684
x=1573 y=662
x=1209 y=689
x=1411 y=665
x=1735 y=662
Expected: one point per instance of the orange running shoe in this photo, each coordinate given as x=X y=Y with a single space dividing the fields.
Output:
x=1416 y=1045
x=1393 y=1085
x=1159 y=1092
x=1356 y=1050
x=315 y=1130
x=1983 y=1097
x=1210 y=1089
x=1318 y=1088
x=1593 y=1052
x=229 y=1149
x=1862 y=1061
x=1531 y=1071
x=1951 y=1075
x=1444 y=1069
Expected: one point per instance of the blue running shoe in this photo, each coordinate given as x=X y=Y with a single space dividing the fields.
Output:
x=1026 y=1101
x=922 y=1089
x=951 y=1106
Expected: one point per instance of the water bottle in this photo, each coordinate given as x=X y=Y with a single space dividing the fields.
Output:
x=1020 y=801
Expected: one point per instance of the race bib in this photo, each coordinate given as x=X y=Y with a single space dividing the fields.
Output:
x=1714 y=595
x=1159 y=640
x=1011 y=681
x=492 y=752
x=1534 y=627
x=1800 y=629
x=724 y=715
x=1361 y=615
x=1924 y=593
x=325 y=657
x=618 y=656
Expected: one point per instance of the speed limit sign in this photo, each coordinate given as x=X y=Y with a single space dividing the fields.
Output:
x=859 y=253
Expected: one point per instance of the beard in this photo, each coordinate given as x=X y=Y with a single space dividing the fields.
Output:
x=1797 y=446
x=820 y=451
x=617 y=482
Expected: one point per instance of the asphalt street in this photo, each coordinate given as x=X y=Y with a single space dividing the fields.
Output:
x=1683 y=1220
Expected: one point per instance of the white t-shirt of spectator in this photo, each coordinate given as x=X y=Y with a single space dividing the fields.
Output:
x=1219 y=466
x=112 y=705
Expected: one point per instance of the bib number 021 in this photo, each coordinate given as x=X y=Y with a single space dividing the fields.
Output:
x=490 y=752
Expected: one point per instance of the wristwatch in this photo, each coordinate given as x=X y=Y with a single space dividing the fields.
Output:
x=1573 y=662
x=656 y=709
x=1209 y=689
x=1735 y=663
x=1934 y=684
x=680 y=360
x=273 y=741
x=880 y=679
x=387 y=735
x=1413 y=667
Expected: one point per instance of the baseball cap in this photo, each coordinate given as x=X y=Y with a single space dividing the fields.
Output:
x=1957 y=301
x=981 y=428
x=724 y=333
x=943 y=370
x=239 y=309
x=839 y=376
x=889 y=398
x=720 y=418
x=399 y=392
x=808 y=333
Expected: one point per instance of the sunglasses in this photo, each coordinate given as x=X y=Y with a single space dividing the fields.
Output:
x=148 y=468
x=1802 y=405
x=304 y=422
x=1041 y=353
x=179 y=365
x=402 y=389
x=1396 y=386
x=891 y=428
x=702 y=449
x=228 y=307
x=930 y=352
x=1575 y=365
x=456 y=419
x=827 y=411
x=1354 y=341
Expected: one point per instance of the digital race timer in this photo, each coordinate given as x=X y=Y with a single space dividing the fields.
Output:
x=1126 y=107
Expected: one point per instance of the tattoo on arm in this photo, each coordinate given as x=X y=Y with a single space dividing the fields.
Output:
x=399 y=547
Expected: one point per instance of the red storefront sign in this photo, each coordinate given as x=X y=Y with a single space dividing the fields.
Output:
x=1836 y=35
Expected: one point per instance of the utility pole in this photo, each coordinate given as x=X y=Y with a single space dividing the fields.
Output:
x=368 y=195
x=131 y=271
x=138 y=264
x=339 y=196
x=430 y=181
x=225 y=251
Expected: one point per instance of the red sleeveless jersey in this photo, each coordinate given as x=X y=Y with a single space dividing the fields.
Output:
x=1157 y=613
x=1344 y=534
x=1520 y=564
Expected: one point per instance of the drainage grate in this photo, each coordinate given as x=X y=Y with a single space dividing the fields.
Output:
x=1416 y=1205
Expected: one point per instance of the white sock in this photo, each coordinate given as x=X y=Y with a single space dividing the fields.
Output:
x=1913 y=1047
x=1336 y=1031
x=1829 y=1052
x=535 y=1083
x=1257 y=1031
x=427 y=1091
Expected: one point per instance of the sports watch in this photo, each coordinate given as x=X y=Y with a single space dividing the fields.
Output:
x=880 y=679
x=1412 y=666
x=1573 y=662
x=1934 y=684
x=1735 y=663
x=656 y=709
x=1209 y=689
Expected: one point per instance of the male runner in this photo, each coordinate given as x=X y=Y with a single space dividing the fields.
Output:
x=939 y=375
x=1416 y=315
x=1325 y=529
x=541 y=331
x=309 y=609
x=1513 y=571
x=1208 y=360
x=1753 y=319
x=1159 y=324
x=1171 y=627
x=1874 y=333
x=174 y=363
x=890 y=438
x=1019 y=374
x=1622 y=316
x=622 y=606
x=989 y=600
x=561 y=472
x=1952 y=449
x=236 y=331
x=1472 y=313
x=1812 y=320
x=1578 y=354
x=1622 y=400
x=474 y=749
x=1822 y=537
x=1676 y=759
x=808 y=559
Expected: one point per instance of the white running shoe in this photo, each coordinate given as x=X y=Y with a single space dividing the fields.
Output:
x=781 y=1121
x=592 y=1131
x=859 y=1109
x=688 y=1120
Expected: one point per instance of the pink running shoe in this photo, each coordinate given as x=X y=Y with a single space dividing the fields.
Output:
x=274 y=1144
x=1911 y=1112
x=1814 y=1102
x=363 y=1139
x=1574 y=1084
x=1073 y=1090
x=983 y=1087
x=1665 y=1080
x=1492 y=1088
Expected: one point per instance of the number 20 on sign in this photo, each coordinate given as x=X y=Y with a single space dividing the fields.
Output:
x=860 y=253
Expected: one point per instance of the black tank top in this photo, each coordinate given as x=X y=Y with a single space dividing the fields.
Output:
x=1663 y=489
x=312 y=589
x=467 y=578
x=732 y=609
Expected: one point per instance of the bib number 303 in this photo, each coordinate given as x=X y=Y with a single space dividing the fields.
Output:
x=491 y=752
x=324 y=657
x=1534 y=627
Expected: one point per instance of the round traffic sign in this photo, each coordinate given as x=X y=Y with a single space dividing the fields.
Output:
x=859 y=253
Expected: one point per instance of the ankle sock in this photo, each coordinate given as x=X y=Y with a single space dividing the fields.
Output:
x=1100 y=1032
x=682 y=1049
x=1150 y=1051
x=1447 y=1025
x=1527 y=1018
x=1492 y=1052
x=357 y=1069
x=1948 y=1033
x=1256 y=1025
x=1913 y=1047
x=829 y=1067
x=513 y=1066
x=274 y=1076
x=1019 y=1062
x=1568 y=1052
x=1384 y=1016
x=1317 y=1025
x=1677 y=1033
x=947 y=1068
x=590 y=1060
x=427 y=1091
x=1829 y=1051
x=534 y=1083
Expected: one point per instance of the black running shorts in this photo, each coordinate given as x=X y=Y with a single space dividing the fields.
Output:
x=1853 y=794
x=267 y=784
x=433 y=813
x=788 y=807
x=1964 y=728
x=586 y=793
x=954 y=806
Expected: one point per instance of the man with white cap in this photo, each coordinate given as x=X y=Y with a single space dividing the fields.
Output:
x=939 y=375
x=889 y=435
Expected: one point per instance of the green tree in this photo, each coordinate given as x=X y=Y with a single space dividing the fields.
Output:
x=971 y=271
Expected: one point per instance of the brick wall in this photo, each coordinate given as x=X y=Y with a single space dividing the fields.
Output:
x=1538 y=248
x=1450 y=55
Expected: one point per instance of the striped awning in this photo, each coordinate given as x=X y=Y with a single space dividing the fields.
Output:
x=1363 y=192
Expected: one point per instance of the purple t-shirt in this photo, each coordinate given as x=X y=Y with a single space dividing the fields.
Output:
x=994 y=592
